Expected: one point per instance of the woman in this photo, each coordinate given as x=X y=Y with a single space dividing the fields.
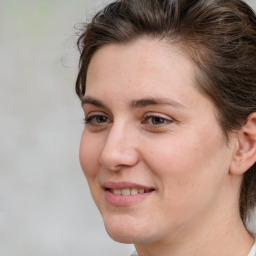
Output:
x=168 y=88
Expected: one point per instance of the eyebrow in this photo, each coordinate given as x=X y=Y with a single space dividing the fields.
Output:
x=155 y=101
x=92 y=101
x=140 y=103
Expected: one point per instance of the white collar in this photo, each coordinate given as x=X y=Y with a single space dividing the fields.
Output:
x=135 y=254
x=253 y=250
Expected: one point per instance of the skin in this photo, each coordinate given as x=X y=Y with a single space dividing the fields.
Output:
x=177 y=148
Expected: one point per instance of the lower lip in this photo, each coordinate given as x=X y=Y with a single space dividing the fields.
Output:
x=119 y=200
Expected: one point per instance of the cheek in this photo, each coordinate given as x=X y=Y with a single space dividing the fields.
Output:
x=188 y=165
x=89 y=155
x=90 y=151
x=188 y=175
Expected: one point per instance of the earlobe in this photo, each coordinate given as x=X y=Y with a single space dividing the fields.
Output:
x=245 y=149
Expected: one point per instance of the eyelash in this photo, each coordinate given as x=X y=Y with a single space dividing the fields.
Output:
x=149 y=119
x=91 y=119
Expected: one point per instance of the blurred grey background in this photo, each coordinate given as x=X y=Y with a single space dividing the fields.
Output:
x=45 y=204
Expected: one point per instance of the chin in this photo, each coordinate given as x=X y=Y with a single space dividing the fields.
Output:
x=129 y=231
x=127 y=237
x=124 y=238
x=120 y=229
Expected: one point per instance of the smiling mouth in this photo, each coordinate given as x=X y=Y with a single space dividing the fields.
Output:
x=129 y=191
x=125 y=194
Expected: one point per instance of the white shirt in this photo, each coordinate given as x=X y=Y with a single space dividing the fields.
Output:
x=253 y=250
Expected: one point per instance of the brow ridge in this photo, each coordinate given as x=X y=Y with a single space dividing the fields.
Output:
x=92 y=101
x=139 y=103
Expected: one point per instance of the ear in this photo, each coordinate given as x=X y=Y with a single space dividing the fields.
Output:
x=245 y=149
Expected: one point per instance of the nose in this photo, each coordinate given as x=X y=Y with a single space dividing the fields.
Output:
x=120 y=149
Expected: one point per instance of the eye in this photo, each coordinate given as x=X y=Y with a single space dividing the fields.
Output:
x=96 y=119
x=157 y=119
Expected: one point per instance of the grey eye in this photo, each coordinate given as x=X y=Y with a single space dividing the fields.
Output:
x=156 y=120
x=97 y=119
x=101 y=119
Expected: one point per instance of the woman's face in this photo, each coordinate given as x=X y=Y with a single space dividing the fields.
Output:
x=152 y=151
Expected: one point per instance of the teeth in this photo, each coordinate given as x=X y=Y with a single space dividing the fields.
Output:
x=141 y=190
x=128 y=191
x=134 y=191
x=117 y=192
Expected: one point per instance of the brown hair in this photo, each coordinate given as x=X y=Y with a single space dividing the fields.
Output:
x=219 y=36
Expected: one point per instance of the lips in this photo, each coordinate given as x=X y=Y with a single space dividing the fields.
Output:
x=125 y=193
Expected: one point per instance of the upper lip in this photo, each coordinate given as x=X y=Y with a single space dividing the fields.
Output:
x=122 y=185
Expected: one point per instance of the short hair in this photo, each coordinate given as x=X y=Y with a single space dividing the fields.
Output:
x=218 y=35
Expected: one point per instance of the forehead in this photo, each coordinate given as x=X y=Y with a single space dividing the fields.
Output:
x=145 y=65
